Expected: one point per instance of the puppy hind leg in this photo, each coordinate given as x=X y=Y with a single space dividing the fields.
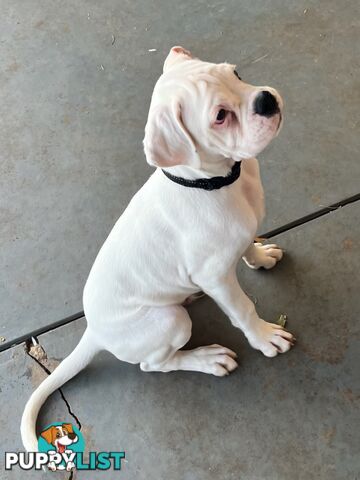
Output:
x=213 y=359
x=170 y=331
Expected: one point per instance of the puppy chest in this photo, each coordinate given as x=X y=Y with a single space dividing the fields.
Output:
x=224 y=233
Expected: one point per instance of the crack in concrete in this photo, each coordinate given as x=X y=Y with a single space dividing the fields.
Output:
x=28 y=344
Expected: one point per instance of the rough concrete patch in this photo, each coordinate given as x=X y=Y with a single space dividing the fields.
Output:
x=39 y=24
x=87 y=431
x=351 y=396
x=328 y=435
x=37 y=351
x=331 y=351
x=36 y=373
x=13 y=67
x=348 y=244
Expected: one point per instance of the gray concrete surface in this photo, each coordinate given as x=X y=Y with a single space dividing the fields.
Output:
x=75 y=84
x=292 y=417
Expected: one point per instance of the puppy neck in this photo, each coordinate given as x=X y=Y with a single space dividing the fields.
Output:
x=210 y=167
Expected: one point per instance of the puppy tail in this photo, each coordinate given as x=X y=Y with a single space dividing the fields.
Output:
x=78 y=359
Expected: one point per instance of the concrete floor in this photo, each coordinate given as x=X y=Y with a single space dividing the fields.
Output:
x=75 y=88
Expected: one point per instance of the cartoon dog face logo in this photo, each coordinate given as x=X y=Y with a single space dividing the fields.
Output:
x=61 y=436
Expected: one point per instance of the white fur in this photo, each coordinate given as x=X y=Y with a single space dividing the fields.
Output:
x=172 y=242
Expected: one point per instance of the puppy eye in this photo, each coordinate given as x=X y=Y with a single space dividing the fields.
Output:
x=237 y=75
x=220 y=118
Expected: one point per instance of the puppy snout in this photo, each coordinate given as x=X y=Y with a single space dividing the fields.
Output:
x=72 y=436
x=265 y=104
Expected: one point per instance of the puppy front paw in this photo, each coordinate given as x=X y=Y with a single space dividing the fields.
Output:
x=270 y=338
x=265 y=256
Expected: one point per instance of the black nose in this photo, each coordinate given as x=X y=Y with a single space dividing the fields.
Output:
x=266 y=104
x=71 y=435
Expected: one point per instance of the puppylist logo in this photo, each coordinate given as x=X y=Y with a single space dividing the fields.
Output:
x=61 y=447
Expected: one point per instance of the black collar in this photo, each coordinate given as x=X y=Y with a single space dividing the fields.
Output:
x=213 y=183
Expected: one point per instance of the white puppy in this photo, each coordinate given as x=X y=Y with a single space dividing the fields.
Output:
x=177 y=236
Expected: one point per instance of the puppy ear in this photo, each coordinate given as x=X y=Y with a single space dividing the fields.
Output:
x=167 y=142
x=68 y=427
x=49 y=434
x=175 y=56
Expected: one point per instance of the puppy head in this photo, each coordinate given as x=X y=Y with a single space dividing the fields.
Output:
x=202 y=110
